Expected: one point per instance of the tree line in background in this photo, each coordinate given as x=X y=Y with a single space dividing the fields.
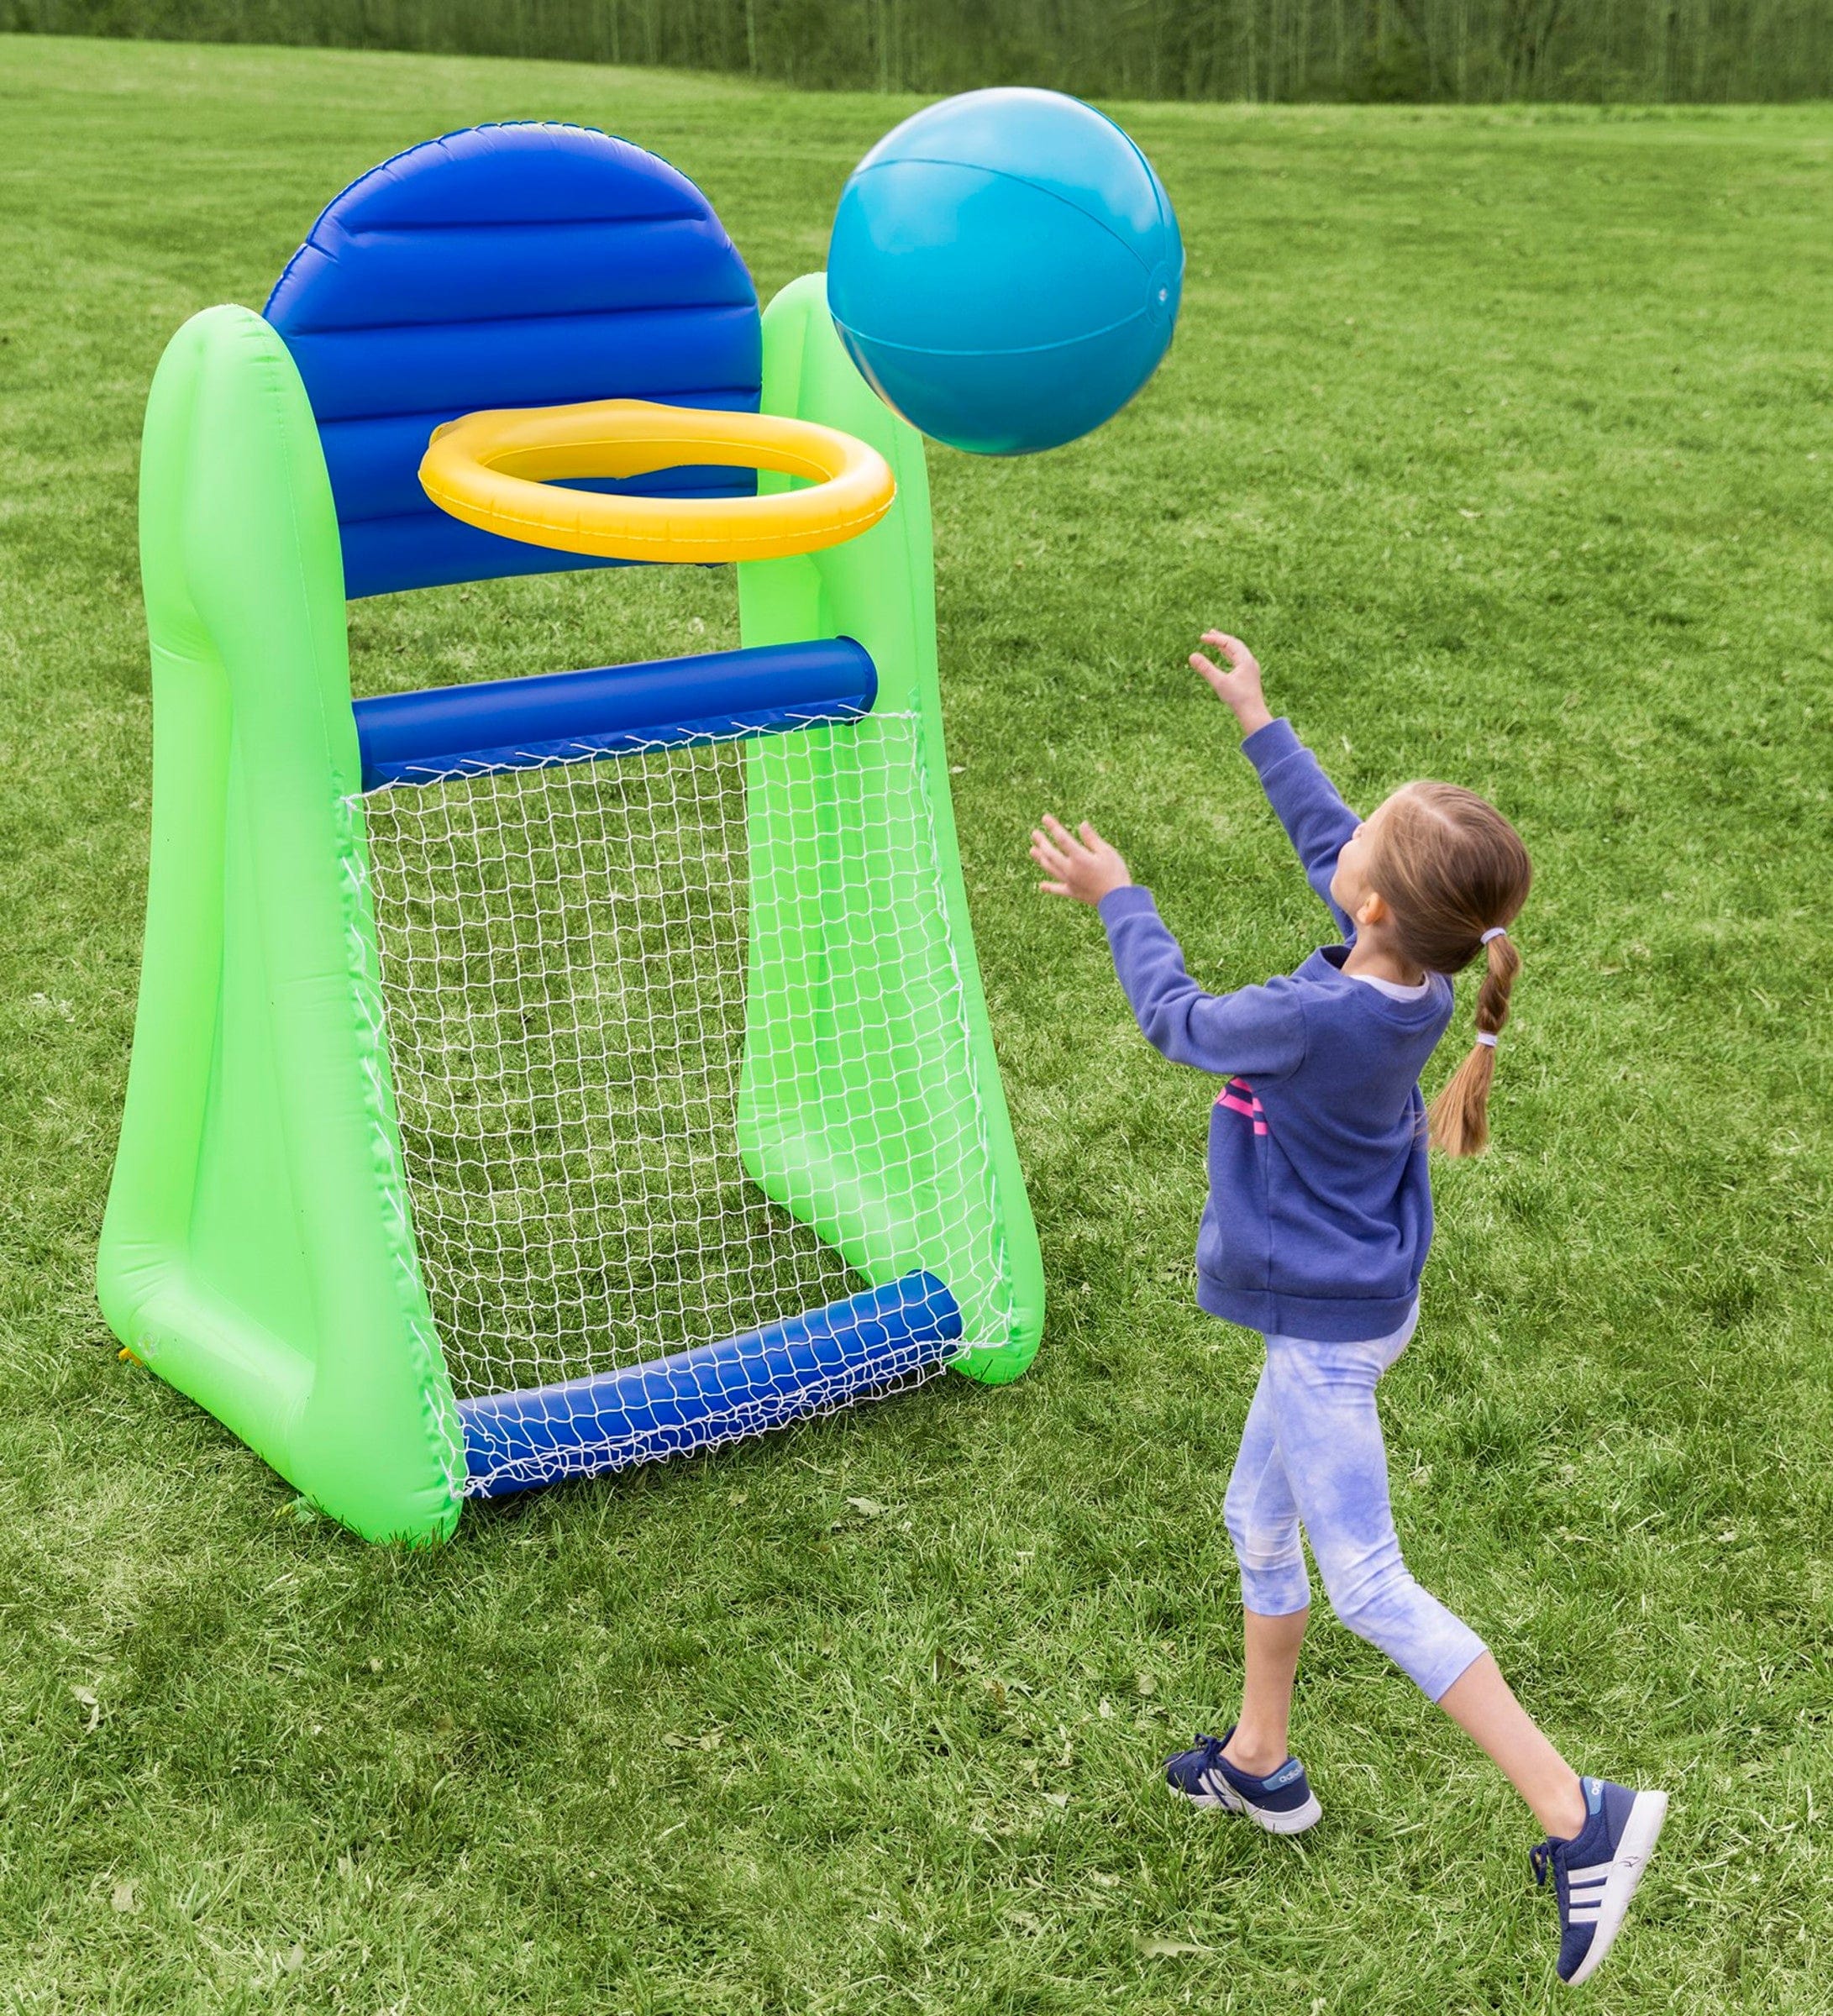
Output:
x=1269 y=50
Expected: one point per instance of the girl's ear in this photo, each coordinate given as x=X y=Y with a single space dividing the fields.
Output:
x=1374 y=910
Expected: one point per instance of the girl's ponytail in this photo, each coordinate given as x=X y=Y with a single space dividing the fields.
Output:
x=1455 y=875
x=1458 y=1119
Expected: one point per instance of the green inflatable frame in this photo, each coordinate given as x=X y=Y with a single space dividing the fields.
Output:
x=258 y=1251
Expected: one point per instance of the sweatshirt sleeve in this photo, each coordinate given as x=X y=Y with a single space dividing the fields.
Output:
x=1257 y=1031
x=1309 y=805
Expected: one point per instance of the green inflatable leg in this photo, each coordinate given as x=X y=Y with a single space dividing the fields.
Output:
x=257 y=1250
x=887 y=1129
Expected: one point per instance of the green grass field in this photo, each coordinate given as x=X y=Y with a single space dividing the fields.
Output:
x=1505 y=436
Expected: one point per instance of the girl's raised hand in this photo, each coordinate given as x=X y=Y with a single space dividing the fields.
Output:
x=1083 y=867
x=1239 y=688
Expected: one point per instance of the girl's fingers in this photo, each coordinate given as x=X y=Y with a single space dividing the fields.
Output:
x=1054 y=888
x=1060 y=838
x=1210 y=670
x=1232 y=648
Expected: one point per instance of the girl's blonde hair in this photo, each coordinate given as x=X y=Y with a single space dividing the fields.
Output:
x=1451 y=867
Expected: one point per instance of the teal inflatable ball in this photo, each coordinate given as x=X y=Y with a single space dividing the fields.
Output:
x=1006 y=269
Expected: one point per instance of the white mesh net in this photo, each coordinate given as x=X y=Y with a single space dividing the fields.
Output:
x=563 y=955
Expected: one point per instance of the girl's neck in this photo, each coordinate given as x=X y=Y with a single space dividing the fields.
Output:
x=1374 y=958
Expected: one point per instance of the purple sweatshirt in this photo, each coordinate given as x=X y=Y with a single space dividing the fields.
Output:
x=1320 y=1210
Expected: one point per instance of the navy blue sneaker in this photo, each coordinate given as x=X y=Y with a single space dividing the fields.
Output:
x=1282 y=1802
x=1595 y=1873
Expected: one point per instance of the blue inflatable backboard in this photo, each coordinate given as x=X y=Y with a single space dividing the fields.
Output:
x=504 y=266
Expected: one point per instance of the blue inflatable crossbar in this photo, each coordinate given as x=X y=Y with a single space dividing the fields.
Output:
x=673 y=1406
x=514 y=724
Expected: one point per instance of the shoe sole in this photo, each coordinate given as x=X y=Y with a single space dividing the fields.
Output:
x=1293 y=1822
x=1641 y=1832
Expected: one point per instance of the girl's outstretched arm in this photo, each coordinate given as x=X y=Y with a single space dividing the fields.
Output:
x=1259 y=1029
x=1309 y=805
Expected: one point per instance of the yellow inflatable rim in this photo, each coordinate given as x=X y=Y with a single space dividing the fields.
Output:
x=502 y=471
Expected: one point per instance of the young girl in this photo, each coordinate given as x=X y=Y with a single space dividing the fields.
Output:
x=1319 y=1218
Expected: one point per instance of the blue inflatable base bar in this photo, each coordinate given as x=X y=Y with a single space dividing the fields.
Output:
x=514 y=724
x=674 y=1406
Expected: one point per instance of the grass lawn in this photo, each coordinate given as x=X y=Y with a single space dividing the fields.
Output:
x=1505 y=436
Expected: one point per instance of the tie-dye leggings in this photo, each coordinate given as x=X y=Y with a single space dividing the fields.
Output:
x=1312 y=1453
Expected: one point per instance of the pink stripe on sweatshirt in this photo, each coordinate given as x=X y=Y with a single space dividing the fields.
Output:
x=1231 y=1096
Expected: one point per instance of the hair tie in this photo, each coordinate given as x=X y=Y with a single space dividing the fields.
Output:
x=1484 y=1038
x=1495 y=931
